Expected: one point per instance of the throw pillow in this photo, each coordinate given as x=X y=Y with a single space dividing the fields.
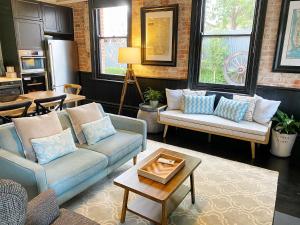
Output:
x=174 y=98
x=264 y=110
x=81 y=115
x=252 y=101
x=190 y=92
x=53 y=147
x=98 y=130
x=36 y=127
x=231 y=109
x=194 y=104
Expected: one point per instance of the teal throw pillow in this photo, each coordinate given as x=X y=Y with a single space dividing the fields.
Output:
x=49 y=148
x=195 y=104
x=231 y=109
x=97 y=130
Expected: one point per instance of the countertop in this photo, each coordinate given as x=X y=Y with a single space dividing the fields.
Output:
x=6 y=79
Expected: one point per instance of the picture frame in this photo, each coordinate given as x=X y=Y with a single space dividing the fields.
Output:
x=159 y=34
x=287 y=55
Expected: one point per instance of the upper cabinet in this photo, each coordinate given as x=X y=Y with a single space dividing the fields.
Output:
x=25 y=9
x=57 y=19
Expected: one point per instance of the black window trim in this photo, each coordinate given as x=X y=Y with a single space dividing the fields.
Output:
x=197 y=25
x=95 y=54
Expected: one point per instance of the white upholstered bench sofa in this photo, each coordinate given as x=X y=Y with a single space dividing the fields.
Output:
x=253 y=131
x=211 y=124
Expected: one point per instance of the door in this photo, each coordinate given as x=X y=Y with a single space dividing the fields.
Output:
x=62 y=56
x=30 y=34
x=50 y=18
x=24 y=9
x=65 y=20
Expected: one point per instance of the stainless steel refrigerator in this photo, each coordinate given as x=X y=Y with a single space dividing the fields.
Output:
x=62 y=59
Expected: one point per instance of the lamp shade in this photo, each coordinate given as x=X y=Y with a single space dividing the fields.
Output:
x=129 y=55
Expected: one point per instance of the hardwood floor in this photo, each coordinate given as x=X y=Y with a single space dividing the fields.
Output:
x=288 y=195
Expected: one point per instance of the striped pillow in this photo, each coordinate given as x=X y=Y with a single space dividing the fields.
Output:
x=231 y=109
x=195 y=104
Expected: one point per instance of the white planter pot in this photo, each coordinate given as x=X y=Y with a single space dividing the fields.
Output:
x=282 y=144
x=154 y=104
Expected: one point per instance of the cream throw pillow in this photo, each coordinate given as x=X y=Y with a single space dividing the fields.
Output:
x=252 y=102
x=36 y=127
x=81 y=115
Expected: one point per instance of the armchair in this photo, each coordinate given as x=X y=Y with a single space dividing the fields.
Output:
x=42 y=210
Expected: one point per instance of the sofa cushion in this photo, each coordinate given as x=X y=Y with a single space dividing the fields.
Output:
x=215 y=122
x=70 y=170
x=116 y=146
x=194 y=104
x=36 y=127
x=9 y=139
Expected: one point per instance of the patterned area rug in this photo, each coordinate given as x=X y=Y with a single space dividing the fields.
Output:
x=227 y=193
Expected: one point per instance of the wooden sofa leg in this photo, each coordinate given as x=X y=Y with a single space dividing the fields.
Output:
x=134 y=160
x=253 y=150
x=165 y=131
x=209 y=138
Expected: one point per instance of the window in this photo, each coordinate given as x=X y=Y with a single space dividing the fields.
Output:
x=111 y=31
x=225 y=44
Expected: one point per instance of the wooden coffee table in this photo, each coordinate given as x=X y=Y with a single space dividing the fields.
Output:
x=157 y=201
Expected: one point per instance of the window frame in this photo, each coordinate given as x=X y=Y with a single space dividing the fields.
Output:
x=94 y=5
x=197 y=35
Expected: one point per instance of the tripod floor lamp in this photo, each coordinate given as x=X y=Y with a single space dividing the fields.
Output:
x=129 y=56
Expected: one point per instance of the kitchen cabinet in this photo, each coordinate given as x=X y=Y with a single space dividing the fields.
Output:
x=30 y=34
x=25 y=9
x=50 y=18
x=57 y=19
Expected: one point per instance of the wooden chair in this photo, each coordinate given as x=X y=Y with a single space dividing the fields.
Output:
x=73 y=89
x=43 y=106
x=12 y=107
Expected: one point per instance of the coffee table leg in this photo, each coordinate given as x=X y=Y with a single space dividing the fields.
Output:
x=192 y=188
x=164 y=215
x=124 y=207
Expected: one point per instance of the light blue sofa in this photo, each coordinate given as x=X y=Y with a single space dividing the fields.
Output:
x=73 y=173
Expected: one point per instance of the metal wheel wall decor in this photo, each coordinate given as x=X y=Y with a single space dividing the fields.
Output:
x=235 y=68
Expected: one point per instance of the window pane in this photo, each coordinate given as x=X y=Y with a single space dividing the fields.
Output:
x=229 y=16
x=109 y=48
x=224 y=60
x=113 y=21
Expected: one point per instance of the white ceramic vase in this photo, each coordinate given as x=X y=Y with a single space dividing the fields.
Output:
x=153 y=104
x=282 y=144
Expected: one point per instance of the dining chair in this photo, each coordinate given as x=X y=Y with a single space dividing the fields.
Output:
x=73 y=89
x=44 y=105
x=22 y=106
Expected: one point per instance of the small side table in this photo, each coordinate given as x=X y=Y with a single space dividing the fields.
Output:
x=149 y=114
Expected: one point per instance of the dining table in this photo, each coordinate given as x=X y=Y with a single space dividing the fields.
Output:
x=71 y=98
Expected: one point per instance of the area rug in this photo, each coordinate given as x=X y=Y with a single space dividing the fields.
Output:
x=227 y=193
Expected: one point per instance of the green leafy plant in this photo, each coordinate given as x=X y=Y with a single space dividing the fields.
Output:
x=286 y=124
x=152 y=95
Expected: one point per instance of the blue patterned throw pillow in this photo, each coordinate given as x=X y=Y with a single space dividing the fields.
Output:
x=97 y=130
x=231 y=109
x=49 y=148
x=195 y=104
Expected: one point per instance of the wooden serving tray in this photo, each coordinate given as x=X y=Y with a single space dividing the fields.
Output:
x=161 y=172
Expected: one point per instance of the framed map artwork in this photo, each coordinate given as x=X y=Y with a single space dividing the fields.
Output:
x=287 y=57
x=159 y=27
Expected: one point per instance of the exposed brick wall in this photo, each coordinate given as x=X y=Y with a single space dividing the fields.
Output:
x=266 y=77
x=181 y=71
x=82 y=34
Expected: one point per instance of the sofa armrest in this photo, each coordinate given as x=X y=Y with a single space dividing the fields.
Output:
x=159 y=110
x=30 y=175
x=130 y=124
x=43 y=209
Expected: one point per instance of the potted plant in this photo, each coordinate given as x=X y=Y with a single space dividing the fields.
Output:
x=284 y=134
x=153 y=96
